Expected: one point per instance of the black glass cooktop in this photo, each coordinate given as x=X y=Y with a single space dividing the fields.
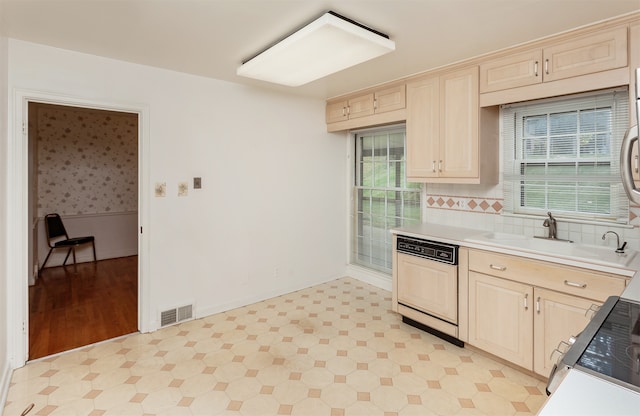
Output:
x=614 y=350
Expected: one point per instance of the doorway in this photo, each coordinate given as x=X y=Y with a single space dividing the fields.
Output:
x=83 y=164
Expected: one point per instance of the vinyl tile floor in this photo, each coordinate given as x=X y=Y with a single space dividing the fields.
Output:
x=332 y=349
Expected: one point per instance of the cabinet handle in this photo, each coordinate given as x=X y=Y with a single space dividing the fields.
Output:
x=538 y=305
x=375 y=104
x=344 y=111
x=433 y=166
x=440 y=166
x=546 y=66
x=348 y=109
x=526 y=301
x=535 y=68
x=635 y=162
x=575 y=284
x=497 y=267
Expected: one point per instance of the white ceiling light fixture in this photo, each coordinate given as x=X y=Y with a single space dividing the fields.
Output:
x=327 y=45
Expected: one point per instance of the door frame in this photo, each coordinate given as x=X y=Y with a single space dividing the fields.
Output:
x=19 y=226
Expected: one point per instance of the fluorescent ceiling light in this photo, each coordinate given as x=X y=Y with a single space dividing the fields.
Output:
x=329 y=44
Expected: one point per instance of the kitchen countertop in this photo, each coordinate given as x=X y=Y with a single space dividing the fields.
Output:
x=471 y=238
x=579 y=393
x=583 y=394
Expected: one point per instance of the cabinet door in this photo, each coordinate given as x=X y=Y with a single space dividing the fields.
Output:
x=501 y=318
x=557 y=317
x=459 y=124
x=423 y=128
x=600 y=51
x=361 y=106
x=336 y=111
x=428 y=286
x=512 y=71
x=390 y=99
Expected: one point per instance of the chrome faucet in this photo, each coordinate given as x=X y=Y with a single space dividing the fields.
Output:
x=552 y=225
x=620 y=248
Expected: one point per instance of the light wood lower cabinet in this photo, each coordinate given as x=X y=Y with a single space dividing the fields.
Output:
x=556 y=315
x=520 y=309
x=500 y=321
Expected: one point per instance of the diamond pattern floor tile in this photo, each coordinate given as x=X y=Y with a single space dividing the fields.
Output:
x=332 y=349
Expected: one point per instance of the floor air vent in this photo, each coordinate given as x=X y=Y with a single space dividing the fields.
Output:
x=175 y=315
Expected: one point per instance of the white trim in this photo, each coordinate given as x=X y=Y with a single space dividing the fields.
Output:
x=5 y=382
x=18 y=227
x=375 y=278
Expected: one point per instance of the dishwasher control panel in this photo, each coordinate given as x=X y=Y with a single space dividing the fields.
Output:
x=432 y=250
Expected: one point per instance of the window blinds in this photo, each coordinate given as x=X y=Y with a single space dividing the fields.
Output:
x=563 y=155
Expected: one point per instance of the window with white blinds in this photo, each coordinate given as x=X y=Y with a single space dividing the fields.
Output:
x=383 y=199
x=563 y=156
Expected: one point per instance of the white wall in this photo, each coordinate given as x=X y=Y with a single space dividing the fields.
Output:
x=116 y=235
x=4 y=295
x=270 y=216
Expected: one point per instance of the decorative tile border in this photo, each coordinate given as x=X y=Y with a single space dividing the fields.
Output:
x=494 y=205
x=466 y=203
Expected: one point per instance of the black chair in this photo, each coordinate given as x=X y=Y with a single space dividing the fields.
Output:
x=55 y=230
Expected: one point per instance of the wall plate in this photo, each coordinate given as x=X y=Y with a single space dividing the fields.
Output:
x=161 y=189
x=183 y=189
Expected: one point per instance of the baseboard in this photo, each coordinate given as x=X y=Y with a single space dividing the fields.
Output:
x=248 y=300
x=57 y=258
x=5 y=381
x=375 y=278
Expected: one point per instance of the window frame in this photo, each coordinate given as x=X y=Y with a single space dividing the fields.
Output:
x=379 y=237
x=580 y=184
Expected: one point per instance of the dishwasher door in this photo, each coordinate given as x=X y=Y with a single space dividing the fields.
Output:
x=428 y=286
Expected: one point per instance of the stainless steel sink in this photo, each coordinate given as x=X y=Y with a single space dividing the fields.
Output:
x=557 y=248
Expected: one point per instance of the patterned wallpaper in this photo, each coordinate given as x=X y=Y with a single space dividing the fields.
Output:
x=87 y=160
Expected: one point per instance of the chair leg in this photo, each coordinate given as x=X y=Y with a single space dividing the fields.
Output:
x=94 y=251
x=66 y=258
x=46 y=258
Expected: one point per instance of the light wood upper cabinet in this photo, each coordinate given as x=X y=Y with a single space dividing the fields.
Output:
x=337 y=111
x=372 y=103
x=511 y=71
x=595 y=52
x=423 y=128
x=443 y=130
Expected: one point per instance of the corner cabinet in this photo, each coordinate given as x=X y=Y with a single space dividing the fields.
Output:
x=521 y=309
x=445 y=128
x=381 y=106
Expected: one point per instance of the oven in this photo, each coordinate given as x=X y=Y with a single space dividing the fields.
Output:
x=608 y=348
x=427 y=286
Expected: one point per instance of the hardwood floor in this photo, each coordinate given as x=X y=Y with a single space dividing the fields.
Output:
x=73 y=306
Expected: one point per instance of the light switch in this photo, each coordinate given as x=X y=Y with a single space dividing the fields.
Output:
x=197 y=183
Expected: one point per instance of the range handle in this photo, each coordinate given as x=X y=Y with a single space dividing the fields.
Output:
x=630 y=137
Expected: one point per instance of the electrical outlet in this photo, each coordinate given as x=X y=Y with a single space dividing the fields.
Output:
x=197 y=183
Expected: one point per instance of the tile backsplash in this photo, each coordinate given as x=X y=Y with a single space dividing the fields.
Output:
x=481 y=207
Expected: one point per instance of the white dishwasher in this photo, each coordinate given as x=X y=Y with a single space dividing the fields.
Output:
x=427 y=286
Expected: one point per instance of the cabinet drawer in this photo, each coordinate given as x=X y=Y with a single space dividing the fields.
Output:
x=566 y=279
